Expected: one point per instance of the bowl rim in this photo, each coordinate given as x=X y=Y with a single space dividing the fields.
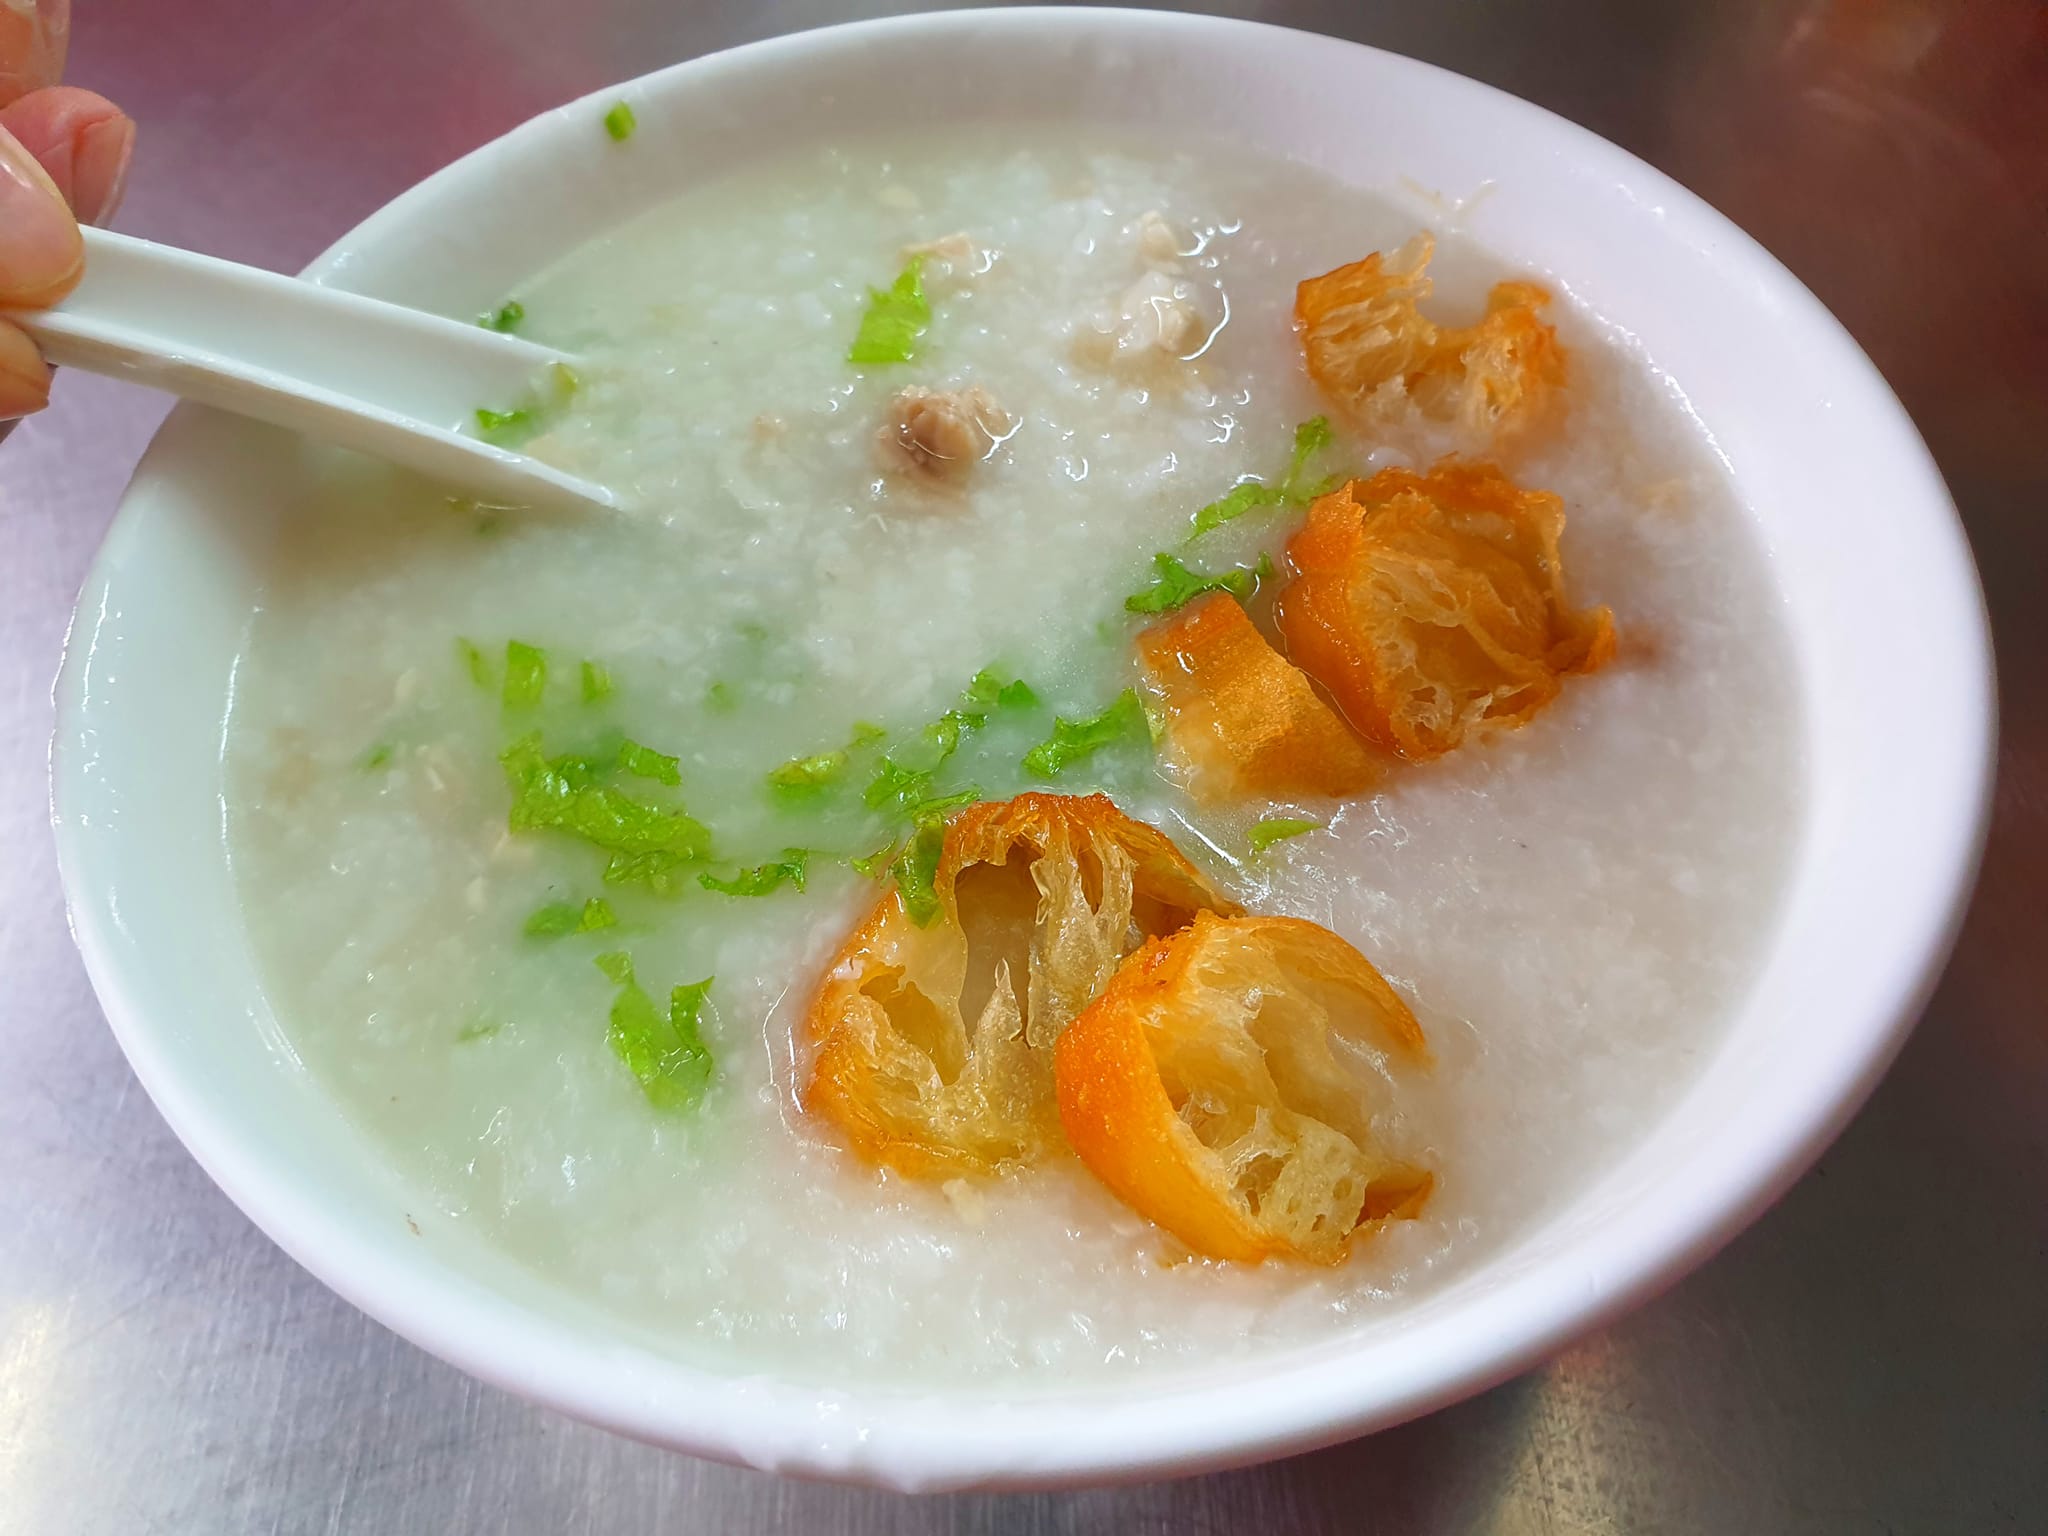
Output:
x=970 y=1438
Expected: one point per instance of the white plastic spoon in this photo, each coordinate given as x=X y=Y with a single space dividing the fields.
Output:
x=390 y=381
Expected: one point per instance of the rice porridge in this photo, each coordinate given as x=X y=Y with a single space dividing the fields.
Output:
x=812 y=576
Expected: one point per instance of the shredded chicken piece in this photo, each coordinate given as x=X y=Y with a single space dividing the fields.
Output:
x=1159 y=322
x=968 y=1202
x=936 y=437
x=1162 y=314
x=956 y=250
x=951 y=261
x=1161 y=242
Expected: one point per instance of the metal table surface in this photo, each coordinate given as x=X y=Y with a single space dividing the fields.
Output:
x=1871 y=1356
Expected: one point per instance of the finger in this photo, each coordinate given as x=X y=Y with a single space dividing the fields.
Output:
x=84 y=141
x=33 y=37
x=41 y=252
x=24 y=377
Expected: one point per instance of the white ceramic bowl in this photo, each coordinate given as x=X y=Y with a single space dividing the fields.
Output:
x=1882 y=602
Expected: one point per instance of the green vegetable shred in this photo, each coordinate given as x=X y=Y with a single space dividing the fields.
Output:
x=916 y=869
x=896 y=788
x=763 y=878
x=506 y=318
x=1074 y=741
x=619 y=122
x=657 y=870
x=802 y=774
x=562 y=794
x=504 y=428
x=1175 y=586
x=1278 y=829
x=646 y=763
x=667 y=1054
x=526 y=674
x=873 y=865
x=597 y=682
x=896 y=317
x=1310 y=439
x=942 y=806
x=563 y=917
x=474 y=660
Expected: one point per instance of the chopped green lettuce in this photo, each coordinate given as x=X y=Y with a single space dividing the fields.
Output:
x=478 y=1029
x=986 y=692
x=659 y=871
x=597 y=682
x=897 y=788
x=1310 y=439
x=1277 y=829
x=377 y=757
x=561 y=794
x=720 y=699
x=942 y=806
x=895 y=318
x=982 y=692
x=526 y=674
x=945 y=732
x=563 y=917
x=478 y=664
x=762 y=878
x=667 y=1054
x=801 y=775
x=619 y=122
x=1175 y=585
x=1246 y=497
x=876 y=864
x=915 y=870
x=1074 y=741
x=506 y=318
x=646 y=763
x=505 y=428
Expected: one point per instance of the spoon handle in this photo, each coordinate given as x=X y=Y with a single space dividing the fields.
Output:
x=398 y=383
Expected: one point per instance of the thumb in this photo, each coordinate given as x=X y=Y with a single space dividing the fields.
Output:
x=41 y=253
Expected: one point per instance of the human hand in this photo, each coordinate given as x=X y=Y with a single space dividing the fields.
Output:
x=63 y=157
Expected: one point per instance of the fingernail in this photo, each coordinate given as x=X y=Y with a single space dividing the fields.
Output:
x=40 y=248
x=24 y=379
x=99 y=173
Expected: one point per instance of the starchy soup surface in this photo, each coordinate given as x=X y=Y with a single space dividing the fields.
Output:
x=589 y=860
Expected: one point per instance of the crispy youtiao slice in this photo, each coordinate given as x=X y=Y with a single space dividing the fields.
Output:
x=1432 y=606
x=1224 y=1087
x=1242 y=719
x=934 y=1044
x=1371 y=350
